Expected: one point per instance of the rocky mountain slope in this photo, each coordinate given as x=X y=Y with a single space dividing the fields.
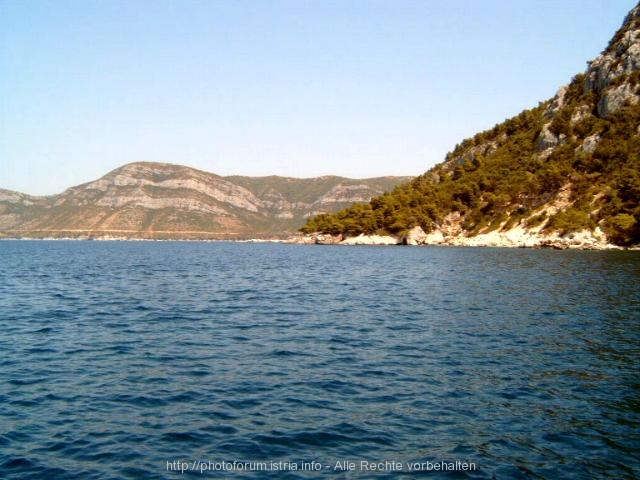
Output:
x=155 y=200
x=565 y=173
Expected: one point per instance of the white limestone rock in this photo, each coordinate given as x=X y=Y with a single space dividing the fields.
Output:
x=415 y=236
x=590 y=143
x=370 y=240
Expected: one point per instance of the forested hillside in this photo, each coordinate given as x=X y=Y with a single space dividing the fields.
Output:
x=571 y=163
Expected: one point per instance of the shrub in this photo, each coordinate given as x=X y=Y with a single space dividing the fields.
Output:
x=622 y=229
x=569 y=220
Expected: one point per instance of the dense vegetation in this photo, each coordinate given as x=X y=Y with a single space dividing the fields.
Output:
x=505 y=175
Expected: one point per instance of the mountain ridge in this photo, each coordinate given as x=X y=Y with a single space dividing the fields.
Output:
x=161 y=200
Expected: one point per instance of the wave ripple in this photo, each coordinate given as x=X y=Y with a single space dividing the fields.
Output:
x=120 y=357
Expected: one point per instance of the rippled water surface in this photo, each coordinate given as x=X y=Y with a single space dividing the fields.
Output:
x=119 y=357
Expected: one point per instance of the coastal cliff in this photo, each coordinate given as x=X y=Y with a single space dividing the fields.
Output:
x=565 y=173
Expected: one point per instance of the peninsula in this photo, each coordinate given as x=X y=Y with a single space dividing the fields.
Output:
x=565 y=173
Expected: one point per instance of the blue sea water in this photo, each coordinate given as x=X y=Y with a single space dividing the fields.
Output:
x=136 y=359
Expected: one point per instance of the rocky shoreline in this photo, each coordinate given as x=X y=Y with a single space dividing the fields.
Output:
x=514 y=238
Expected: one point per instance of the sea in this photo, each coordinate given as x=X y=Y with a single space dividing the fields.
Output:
x=165 y=360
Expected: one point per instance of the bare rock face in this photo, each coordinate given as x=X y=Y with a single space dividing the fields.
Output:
x=475 y=153
x=605 y=76
x=370 y=240
x=557 y=102
x=415 y=236
x=622 y=57
x=617 y=97
x=138 y=184
x=580 y=114
x=590 y=143
x=326 y=239
x=547 y=139
x=614 y=62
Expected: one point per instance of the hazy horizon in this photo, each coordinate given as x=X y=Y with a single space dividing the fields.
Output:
x=355 y=89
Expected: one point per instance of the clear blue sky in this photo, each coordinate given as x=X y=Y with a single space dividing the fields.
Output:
x=257 y=87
